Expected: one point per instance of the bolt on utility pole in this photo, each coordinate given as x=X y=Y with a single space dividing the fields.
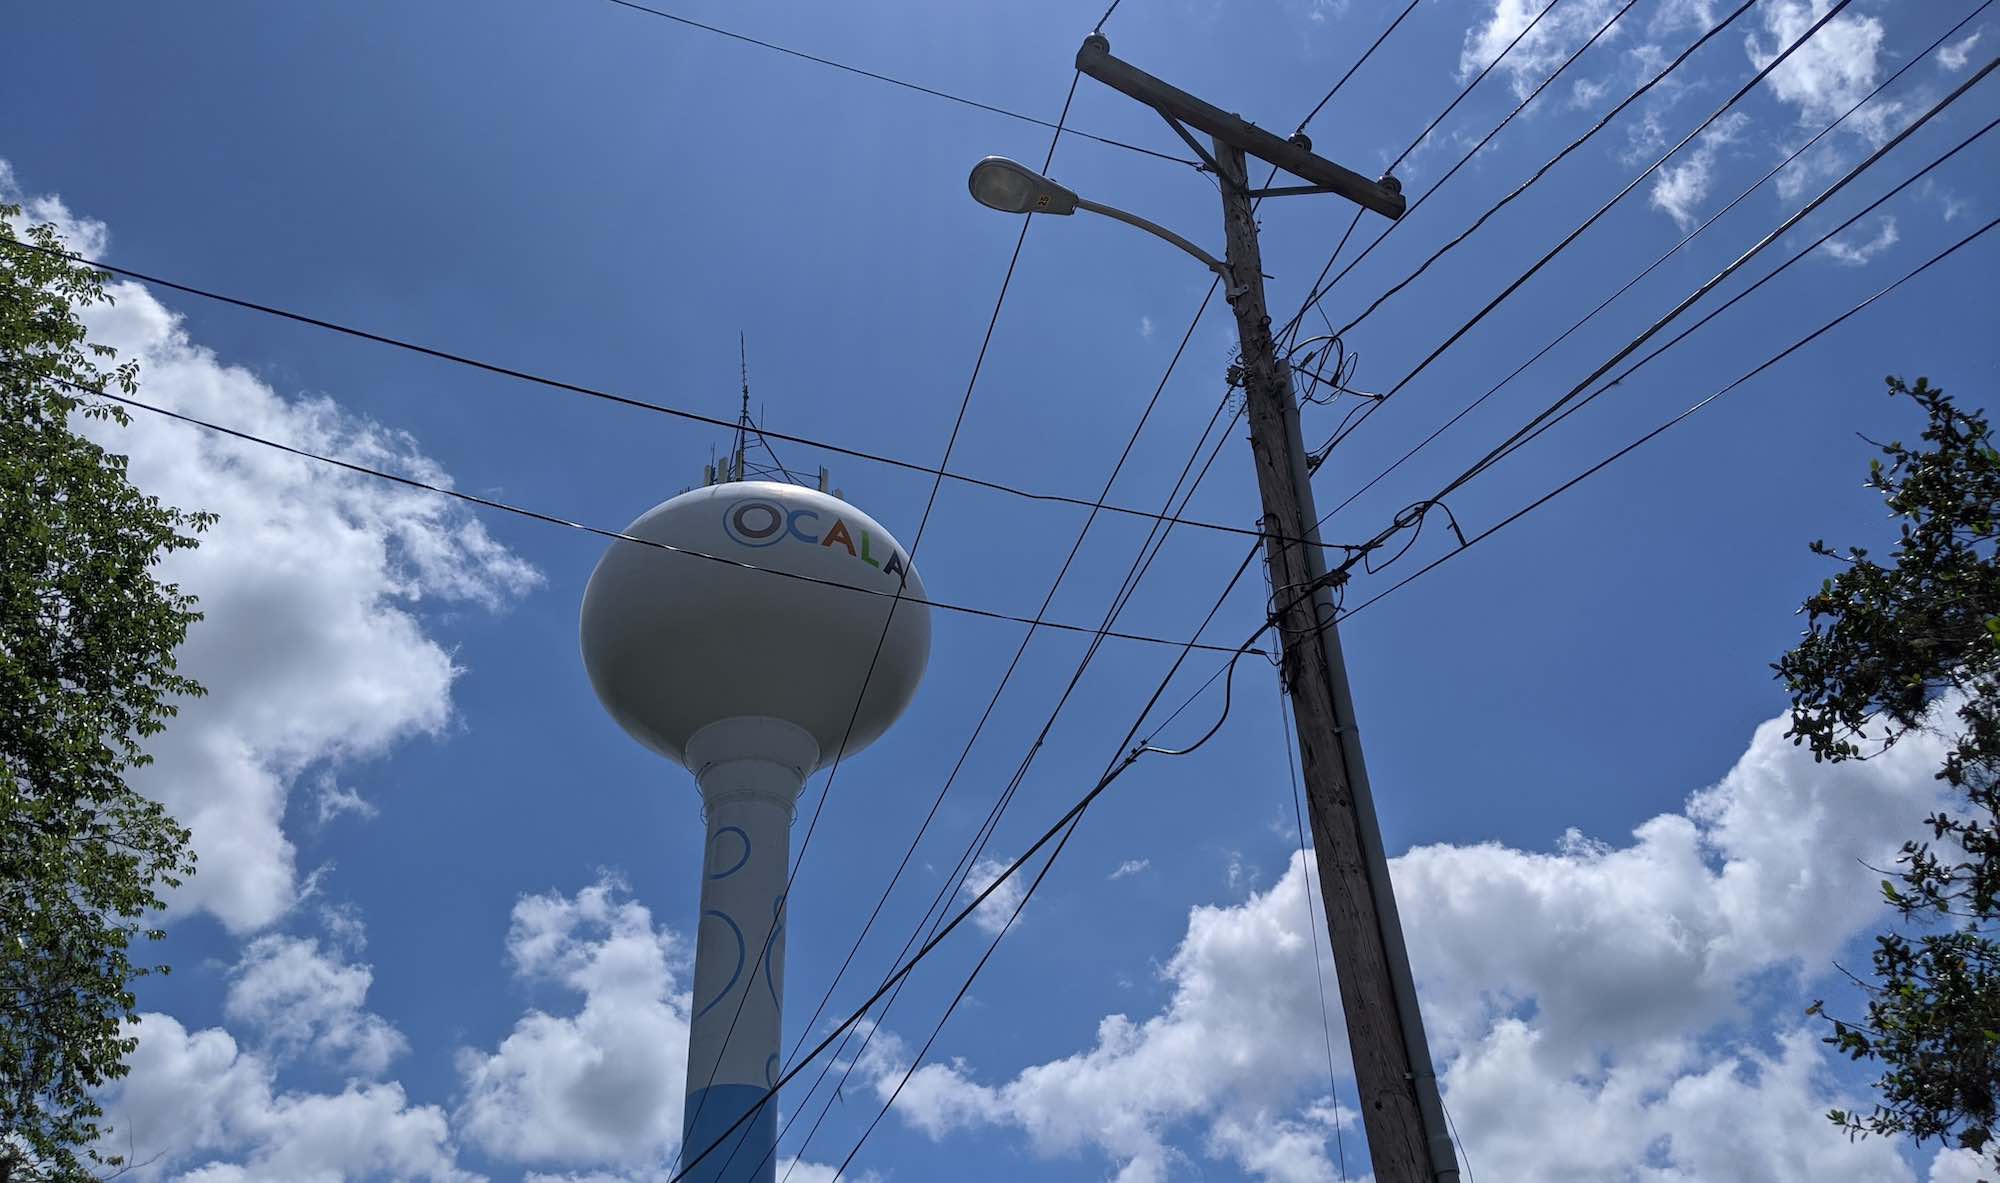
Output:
x=1400 y=1109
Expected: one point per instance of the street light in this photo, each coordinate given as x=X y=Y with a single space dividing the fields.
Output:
x=1013 y=188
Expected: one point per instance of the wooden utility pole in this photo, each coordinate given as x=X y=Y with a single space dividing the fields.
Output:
x=1400 y=1110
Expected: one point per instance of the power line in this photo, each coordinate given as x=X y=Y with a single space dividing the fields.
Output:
x=1564 y=243
x=1466 y=90
x=994 y=699
x=599 y=393
x=1321 y=286
x=918 y=88
x=1773 y=274
x=1112 y=770
x=955 y=882
x=1358 y=62
x=1414 y=516
x=601 y=532
x=1713 y=32
x=1801 y=150
x=1579 y=478
x=1534 y=425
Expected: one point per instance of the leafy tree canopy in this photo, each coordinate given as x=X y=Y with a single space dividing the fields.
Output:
x=87 y=640
x=1913 y=642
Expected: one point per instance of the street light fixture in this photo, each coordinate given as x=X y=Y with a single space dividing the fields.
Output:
x=1013 y=188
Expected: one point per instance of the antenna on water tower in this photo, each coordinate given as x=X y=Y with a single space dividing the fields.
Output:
x=752 y=673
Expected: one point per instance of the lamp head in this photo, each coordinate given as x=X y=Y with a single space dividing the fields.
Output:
x=1013 y=188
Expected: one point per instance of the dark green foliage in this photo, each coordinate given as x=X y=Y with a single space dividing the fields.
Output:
x=1915 y=643
x=87 y=639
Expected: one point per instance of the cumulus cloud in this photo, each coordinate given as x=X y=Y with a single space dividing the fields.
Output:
x=1679 y=189
x=998 y=911
x=1542 y=50
x=304 y=1001
x=200 y=1107
x=311 y=650
x=1954 y=56
x=1829 y=74
x=1845 y=249
x=601 y=1085
x=1594 y=1005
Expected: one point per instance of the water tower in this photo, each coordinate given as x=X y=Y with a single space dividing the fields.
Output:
x=750 y=680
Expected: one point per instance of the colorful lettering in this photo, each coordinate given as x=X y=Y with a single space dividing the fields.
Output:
x=839 y=534
x=792 y=524
x=894 y=565
x=865 y=556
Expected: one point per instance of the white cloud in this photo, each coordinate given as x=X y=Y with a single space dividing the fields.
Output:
x=1954 y=56
x=1595 y=1006
x=1679 y=189
x=1960 y=1166
x=335 y=799
x=603 y=1085
x=311 y=649
x=1146 y=326
x=1856 y=254
x=198 y=1105
x=1542 y=50
x=994 y=915
x=1830 y=72
x=304 y=1002
x=1131 y=866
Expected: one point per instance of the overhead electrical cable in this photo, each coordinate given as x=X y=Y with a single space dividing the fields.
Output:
x=912 y=86
x=1804 y=252
x=599 y=392
x=1580 y=477
x=1322 y=286
x=596 y=392
x=955 y=882
x=1867 y=162
x=1801 y=150
x=599 y=531
x=1412 y=518
x=1358 y=63
x=1563 y=244
x=992 y=703
x=1603 y=121
x=1116 y=766
x=1423 y=135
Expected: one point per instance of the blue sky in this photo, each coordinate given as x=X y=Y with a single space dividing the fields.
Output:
x=1620 y=890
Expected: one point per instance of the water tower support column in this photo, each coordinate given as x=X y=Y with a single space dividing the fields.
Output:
x=751 y=770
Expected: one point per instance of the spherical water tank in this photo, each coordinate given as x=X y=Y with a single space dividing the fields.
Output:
x=674 y=642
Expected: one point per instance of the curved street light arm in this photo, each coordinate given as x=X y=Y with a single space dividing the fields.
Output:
x=1158 y=231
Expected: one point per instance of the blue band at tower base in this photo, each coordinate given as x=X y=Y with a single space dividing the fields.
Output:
x=748 y=1156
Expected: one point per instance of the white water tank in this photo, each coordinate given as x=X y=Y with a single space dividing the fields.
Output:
x=674 y=643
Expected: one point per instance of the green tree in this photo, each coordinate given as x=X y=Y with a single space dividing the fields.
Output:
x=87 y=639
x=1894 y=647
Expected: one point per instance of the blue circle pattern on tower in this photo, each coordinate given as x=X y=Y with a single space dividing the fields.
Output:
x=741 y=859
x=734 y=973
x=777 y=934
